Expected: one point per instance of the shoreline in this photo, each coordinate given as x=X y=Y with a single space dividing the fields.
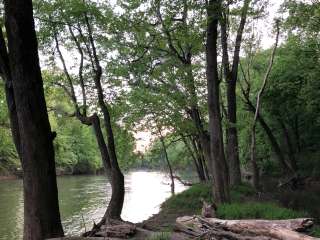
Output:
x=13 y=176
x=8 y=177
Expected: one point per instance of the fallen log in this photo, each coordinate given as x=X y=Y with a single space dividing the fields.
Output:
x=213 y=228
x=297 y=224
x=123 y=230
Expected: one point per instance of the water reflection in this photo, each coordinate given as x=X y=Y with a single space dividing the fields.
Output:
x=83 y=200
x=11 y=209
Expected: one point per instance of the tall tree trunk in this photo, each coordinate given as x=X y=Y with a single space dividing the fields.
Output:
x=219 y=166
x=41 y=209
x=203 y=137
x=117 y=179
x=232 y=150
x=231 y=80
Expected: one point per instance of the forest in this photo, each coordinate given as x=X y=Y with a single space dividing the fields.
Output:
x=221 y=97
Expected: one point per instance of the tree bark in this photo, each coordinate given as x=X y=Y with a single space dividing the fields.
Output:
x=231 y=76
x=117 y=179
x=218 y=166
x=108 y=155
x=41 y=209
x=202 y=139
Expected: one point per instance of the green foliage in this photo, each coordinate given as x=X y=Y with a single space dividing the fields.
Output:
x=315 y=231
x=8 y=158
x=190 y=201
x=178 y=155
x=253 y=210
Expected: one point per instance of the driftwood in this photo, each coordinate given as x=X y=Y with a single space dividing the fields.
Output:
x=140 y=234
x=213 y=228
x=123 y=230
x=183 y=182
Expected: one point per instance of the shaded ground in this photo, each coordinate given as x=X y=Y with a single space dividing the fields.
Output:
x=247 y=203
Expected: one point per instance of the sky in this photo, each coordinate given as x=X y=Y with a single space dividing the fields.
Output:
x=265 y=26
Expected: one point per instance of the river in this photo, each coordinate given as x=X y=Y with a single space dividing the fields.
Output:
x=83 y=199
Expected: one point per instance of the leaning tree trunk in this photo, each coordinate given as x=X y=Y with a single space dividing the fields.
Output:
x=108 y=154
x=41 y=209
x=117 y=179
x=255 y=168
x=167 y=159
x=219 y=166
x=272 y=139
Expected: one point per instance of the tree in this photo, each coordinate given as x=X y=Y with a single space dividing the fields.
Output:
x=255 y=168
x=74 y=30
x=30 y=124
x=164 y=55
x=219 y=165
x=231 y=76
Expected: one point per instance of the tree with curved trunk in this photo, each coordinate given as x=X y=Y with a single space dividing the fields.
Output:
x=29 y=122
x=90 y=105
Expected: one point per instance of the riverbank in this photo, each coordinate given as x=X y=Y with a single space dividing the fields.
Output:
x=246 y=204
x=8 y=177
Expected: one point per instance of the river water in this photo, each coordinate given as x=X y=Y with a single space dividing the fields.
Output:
x=83 y=199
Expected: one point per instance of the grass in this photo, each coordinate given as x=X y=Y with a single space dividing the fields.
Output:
x=160 y=236
x=244 y=206
x=256 y=210
x=315 y=231
x=190 y=201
